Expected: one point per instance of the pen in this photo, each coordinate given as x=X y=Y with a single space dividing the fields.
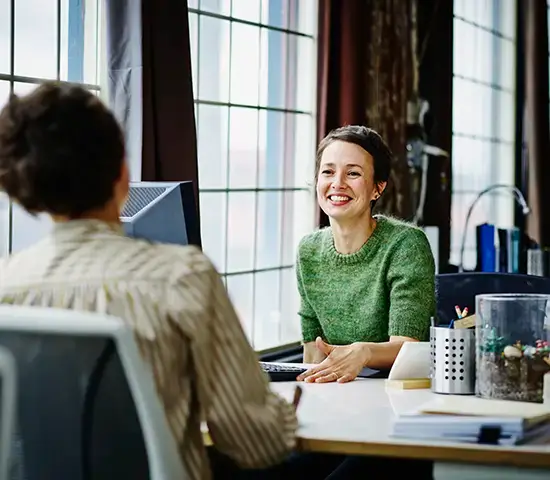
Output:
x=458 y=311
x=297 y=396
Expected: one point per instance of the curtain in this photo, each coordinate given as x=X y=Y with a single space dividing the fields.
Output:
x=365 y=77
x=150 y=87
x=537 y=124
x=169 y=134
x=124 y=75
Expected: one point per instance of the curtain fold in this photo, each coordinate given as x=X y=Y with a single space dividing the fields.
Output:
x=365 y=64
x=537 y=123
x=124 y=75
x=169 y=134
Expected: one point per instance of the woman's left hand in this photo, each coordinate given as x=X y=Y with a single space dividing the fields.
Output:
x=343 y=363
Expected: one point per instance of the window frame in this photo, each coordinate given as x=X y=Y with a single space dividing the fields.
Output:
x=286 y=192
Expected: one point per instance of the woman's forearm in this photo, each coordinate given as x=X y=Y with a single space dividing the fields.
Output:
x=382 y=355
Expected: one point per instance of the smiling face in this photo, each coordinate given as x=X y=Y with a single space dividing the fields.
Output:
x=345 y=182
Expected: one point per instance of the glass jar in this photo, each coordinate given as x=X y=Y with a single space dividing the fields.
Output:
x=512 y=346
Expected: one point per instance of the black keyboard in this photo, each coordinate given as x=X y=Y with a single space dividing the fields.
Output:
x=281 y=373
x=288 y=372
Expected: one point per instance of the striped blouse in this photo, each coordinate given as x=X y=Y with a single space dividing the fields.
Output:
x=185 y=326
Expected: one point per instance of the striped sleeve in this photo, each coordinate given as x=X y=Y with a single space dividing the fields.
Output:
x=246 y=421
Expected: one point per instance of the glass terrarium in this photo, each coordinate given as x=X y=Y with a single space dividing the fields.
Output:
x=512 y=346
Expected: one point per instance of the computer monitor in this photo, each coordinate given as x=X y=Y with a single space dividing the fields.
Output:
x=164 y=212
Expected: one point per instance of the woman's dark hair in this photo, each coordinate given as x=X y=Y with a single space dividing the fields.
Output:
x=369 y=140
x=61 y=150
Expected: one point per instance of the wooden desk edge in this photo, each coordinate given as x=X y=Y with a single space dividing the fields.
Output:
x=517 y=457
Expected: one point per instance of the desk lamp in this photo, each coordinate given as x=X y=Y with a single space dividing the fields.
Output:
x=518 y=196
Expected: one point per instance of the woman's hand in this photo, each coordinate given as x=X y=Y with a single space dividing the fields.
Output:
x=343 y=363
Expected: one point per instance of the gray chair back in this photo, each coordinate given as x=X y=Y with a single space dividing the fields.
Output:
x=76 y=418
x=8 y=395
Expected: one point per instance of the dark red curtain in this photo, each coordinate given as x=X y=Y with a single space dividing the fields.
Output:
x=537 y=124
x=169 y=134
x=365 y=77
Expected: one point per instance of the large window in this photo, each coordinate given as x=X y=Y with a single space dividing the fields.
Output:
x=254 y=77
x=44 y=40
x=483 y=116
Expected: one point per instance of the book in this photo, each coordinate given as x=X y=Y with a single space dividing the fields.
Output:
x=486 y=250
x=475 y=420
x=529 y=413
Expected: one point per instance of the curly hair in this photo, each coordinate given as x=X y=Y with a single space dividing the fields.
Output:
x=61 y=150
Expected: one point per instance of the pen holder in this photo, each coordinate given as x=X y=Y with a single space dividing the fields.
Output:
x=453 y=360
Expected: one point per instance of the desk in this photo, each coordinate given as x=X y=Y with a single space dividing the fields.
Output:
x=355 y=418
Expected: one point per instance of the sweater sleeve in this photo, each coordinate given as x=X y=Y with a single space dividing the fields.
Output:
x=411 y=280
x=311 y=328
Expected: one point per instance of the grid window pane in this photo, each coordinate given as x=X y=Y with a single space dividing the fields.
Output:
x=222 y=7
x=267 y=309
x=79 y=41
x=256 y=134
x=303 y=139
x=269 y=234
x=289 y=328
x=273 y=68
x=36 y=38
x=243 y=147
x=212 y=138
x=213 y=212
x=241 y=292
x=305 y=68
x=213 y=54
x=194 y=46
x=245 y=64
x=241 y=229
x=306 y=18
x=246 y=10
x=483 y=118
x=20 y=88
x=276 y=13
x=4 y=92
x=271 y=148
x=5 y=36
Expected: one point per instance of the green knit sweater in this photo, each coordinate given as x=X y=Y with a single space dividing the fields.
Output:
x=386 y=288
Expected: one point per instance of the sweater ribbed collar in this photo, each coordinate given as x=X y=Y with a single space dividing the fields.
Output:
x=368 y=248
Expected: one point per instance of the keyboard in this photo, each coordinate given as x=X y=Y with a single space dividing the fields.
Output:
x=281 y=372
x=286 y=372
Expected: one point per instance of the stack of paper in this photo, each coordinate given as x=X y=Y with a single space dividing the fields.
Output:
x=476 y=420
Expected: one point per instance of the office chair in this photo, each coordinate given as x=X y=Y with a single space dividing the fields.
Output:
x=87 y=408
x=8 y=397
x=461 y=289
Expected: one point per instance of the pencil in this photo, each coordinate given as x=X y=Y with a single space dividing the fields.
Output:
x=458 y=311
x=464 y=312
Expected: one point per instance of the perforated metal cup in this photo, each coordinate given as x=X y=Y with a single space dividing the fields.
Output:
x=453 y=360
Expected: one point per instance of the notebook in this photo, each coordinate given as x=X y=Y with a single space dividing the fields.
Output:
x=530 y=413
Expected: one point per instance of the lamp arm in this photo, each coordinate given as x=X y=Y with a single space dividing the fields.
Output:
x=520 y=199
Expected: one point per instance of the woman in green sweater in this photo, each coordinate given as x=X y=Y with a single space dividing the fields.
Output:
x=366 y=282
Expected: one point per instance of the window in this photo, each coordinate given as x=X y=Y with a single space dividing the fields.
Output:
x=254 y=77
x=44 y=40
x=483 y=117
